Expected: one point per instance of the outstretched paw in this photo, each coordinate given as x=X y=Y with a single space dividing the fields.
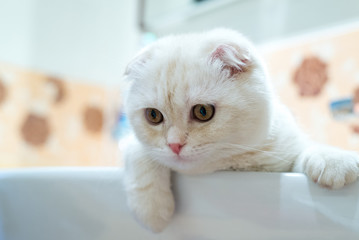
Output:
x=331 y=167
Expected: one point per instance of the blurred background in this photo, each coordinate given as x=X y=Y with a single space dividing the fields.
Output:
x=61 y=66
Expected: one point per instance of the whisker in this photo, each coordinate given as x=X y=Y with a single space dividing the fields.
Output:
x=225 y=149
x=248 y=148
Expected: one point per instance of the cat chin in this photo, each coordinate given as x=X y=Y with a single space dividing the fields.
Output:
x=178 y=166
x=180 y=163
x=190 y=163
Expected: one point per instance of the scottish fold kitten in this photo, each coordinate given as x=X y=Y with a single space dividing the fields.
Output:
x=200 y=103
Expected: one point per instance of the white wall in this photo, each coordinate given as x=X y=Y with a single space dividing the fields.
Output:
x=16 y=20
x=261 y=20
x=94 y=39
x=90 y=40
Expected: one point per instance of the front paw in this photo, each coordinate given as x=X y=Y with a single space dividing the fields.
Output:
x=152 y=207
x=331 y=167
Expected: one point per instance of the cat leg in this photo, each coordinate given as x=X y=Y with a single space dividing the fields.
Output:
x=148 y=189
x=328 y=166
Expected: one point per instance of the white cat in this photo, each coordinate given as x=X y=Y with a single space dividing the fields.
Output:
x=200 y=103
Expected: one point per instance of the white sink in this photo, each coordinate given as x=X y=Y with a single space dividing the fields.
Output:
x=89 y=204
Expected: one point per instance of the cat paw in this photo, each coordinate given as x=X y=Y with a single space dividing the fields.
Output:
x=331 y=167
x=153 y=209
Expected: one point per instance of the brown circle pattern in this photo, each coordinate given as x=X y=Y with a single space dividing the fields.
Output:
x=356 y=96
x=355 y=129
x=35 y=130
x=93 y=119
x=311 y=76
x=60 y=88
x=2 y=92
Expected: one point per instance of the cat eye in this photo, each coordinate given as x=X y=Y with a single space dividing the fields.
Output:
x=203 y=112
x=153 y=116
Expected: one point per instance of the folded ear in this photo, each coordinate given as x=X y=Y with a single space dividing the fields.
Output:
x=233 y=60
x=138 y=62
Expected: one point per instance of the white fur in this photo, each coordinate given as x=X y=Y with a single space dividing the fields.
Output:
x=250 y=131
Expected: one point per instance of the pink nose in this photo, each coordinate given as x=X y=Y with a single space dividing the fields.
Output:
x=175 y=147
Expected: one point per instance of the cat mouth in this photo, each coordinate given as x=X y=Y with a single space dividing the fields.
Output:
x=190 y=154
x=186 y=158
x=181 y=158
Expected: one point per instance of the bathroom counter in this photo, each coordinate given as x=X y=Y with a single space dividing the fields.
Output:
x=90 y=204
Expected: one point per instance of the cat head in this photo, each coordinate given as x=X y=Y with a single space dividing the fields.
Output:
x=197 y=98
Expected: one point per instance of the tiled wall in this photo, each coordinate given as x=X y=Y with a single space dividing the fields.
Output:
x=311 y=72
x=50 y=121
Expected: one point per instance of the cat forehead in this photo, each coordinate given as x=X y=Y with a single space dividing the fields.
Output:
x=180 y=93
x=185 y=70
x=176 y=76
x=219 y=47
